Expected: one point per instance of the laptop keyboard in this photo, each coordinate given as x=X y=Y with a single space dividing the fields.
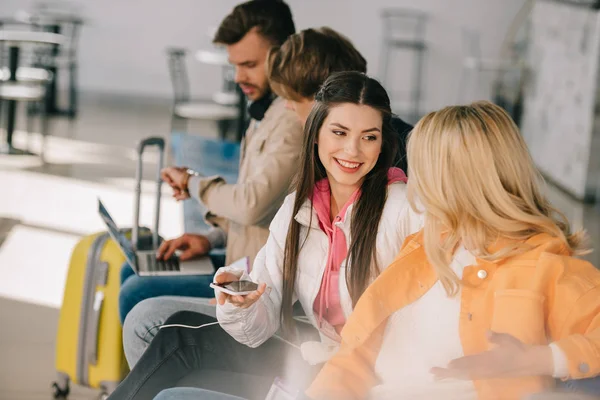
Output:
x=155 y=265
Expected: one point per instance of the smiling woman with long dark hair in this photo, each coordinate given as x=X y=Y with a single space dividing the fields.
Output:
x=343 y=224
x=338 y=230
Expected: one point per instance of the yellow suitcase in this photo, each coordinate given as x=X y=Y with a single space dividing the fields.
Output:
x=89 y=347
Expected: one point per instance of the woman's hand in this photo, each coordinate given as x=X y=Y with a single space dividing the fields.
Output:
x=238 y=301
x=509 y=358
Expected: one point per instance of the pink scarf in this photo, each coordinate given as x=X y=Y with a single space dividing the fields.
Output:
x=327 y=304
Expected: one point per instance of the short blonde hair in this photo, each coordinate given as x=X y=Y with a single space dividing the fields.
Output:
x=471 y=170
x=298 y=67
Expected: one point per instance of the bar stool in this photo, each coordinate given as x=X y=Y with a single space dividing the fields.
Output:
x=184 y=108
x=64 y=18
x=24 y=73
x=33 y=90
x=231 y=94
x=28 y=74
x=506 y=75
x=404 y=31
x=474 y=65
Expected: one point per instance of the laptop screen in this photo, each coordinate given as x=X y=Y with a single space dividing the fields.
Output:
x=117 y=235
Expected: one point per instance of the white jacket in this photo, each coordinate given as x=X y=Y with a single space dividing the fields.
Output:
x=256 y=324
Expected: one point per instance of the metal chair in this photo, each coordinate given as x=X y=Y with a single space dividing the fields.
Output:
x=474 y=65
x=25 y=74
x=30 y=77
x=55 y=58
x=230 y=93
x=404 y=30
x=505 y=75
x=222 y=110
x=32 y=90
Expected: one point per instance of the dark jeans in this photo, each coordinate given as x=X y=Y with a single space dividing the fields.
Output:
x=136 y=288
x=589 y=386
x=208 y=358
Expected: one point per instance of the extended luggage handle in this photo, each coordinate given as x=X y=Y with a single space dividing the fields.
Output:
x=148 y=142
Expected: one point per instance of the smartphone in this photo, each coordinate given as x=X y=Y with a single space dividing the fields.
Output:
x=236 y=288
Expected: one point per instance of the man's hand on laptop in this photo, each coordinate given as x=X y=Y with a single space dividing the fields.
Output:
x=177 y=178
x=190 y=245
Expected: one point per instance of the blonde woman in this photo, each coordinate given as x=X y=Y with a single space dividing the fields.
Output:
x=487 y=301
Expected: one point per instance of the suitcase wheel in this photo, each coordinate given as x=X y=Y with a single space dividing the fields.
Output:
x=59 y=392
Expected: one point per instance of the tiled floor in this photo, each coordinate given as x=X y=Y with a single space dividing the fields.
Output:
x=44 y=209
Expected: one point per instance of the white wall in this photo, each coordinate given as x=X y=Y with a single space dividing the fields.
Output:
x=561 y=101
x=122 y=45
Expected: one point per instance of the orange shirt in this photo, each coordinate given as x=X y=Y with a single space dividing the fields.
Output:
x=540 y=296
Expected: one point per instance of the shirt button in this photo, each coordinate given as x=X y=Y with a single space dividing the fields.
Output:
x=584 y=368
x=482 y=274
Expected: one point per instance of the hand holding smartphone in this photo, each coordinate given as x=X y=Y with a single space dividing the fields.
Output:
x=235 y=288
x=240 y=293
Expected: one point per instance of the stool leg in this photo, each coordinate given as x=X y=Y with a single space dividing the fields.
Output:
x=11 y=112
x=223 y=126
x=418 y=86
x=73 y=90
x=1 y=121
x=29 y=126
x=462 y=83
x=179 y=124
x=43 y=129
x=173 y=123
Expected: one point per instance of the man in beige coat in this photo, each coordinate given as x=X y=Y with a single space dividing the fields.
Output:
x=239 y=212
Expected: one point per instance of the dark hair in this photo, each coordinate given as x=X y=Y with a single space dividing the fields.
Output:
x=299 y=66
x=273 y=19
x=340 y=88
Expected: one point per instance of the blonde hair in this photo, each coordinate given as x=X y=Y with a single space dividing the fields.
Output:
x=471 y=170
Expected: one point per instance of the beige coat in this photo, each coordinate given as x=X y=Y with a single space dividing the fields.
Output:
x=269 y=159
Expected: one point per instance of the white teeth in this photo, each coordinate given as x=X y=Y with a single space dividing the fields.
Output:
x=348 y=164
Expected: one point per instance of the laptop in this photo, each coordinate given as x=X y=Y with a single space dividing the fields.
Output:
x=144 y=262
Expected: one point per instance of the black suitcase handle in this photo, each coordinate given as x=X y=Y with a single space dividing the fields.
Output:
x=141 y=147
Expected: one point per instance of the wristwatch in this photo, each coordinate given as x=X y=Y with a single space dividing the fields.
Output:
x=191 y=172
x=188 y=173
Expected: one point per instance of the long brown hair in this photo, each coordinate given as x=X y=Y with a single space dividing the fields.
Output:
x=340 y=88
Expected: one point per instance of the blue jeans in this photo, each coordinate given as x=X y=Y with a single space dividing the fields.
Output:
x=584 y=386
x=136 y=288
x=589 y=386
